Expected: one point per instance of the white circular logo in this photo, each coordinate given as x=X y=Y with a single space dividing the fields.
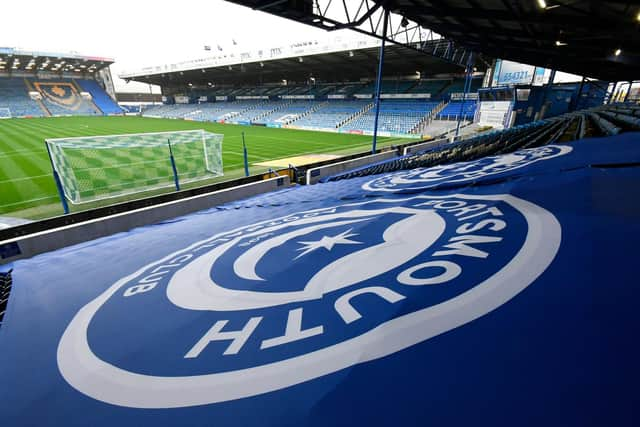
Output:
x=423 y=178
x=280 y=302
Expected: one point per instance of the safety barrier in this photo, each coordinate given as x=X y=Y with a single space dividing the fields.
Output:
x=56 y=238
x=316 y=174
x=416 y=148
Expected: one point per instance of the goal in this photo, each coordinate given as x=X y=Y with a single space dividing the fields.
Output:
x=100 y=167
x=5 y=113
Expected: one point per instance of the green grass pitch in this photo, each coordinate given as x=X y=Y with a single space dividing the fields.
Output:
x=27 y=188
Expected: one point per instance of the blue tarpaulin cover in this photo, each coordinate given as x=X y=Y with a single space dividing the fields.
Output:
x=497 y=292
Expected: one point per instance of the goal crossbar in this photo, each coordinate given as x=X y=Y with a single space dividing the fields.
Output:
x=107 y=166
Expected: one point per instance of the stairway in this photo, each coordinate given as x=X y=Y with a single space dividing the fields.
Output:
x=309 y=111
x=43 y=107
x=426 y=120
x=91 y=103
x=354 y=116
x=278 y=108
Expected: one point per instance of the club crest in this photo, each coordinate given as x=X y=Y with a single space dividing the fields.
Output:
x=280 y=302
x=62 y=94
x=423 y=178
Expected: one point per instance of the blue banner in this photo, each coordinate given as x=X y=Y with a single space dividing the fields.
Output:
x=496 y=292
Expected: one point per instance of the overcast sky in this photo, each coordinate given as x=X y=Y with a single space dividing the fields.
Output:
x=139 y=33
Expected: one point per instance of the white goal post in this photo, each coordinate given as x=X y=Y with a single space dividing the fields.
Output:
x=100 y=167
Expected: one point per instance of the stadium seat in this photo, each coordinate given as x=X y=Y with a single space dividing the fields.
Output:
x=332 y=114
x=455 y=108
x=395 y=117
x=15 y=100
x=62 y=97
x=102 y=100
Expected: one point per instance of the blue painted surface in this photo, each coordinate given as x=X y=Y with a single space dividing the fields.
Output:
x=555 y=346
x=100 y=97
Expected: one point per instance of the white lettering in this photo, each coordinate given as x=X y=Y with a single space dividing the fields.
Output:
x=293 y=331
x=349 y=314
x=459 y=246
x=496 y=225
x=451 y=271
x=139 y=289
x=160 y=267
x=211 y=244
x=451 y=204
x=151 y=279
x=467 y=209
x=181 y=259
x=238 y=338
x=493 y=211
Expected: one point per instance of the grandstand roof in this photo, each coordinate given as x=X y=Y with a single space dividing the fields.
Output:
x=341 y=65
x=12 y=59
x=580 y=37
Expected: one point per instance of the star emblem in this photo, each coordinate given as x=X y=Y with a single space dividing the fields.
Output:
x=328 y=242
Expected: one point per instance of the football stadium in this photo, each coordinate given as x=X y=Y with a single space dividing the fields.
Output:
x=336 y=212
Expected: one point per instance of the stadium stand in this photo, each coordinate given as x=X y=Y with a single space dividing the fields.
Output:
x=5 y=290
x=259 y=110
x=58 y=97
x=100 y=97
x=206 y=112
x=321 y=89
x=431 y=86
x=62 y=97
x=346 y=89
x=333 y=114
x=400 y=116
x=290 y=112
x=15 y=97
x=173 y=111
x=229 y=111
x=131 y=109
x=457 y=86
x=395 y=116
x=452 y=110
x=608 y=120
x=234 y=111
x=387 y=86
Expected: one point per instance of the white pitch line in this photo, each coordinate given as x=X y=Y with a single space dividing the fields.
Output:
x=19 y=152
x=25 y=178
x=30 y=200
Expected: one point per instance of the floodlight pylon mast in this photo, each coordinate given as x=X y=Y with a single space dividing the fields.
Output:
x=379 y=82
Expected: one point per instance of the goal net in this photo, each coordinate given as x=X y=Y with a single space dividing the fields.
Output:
x=5 y=113
x=101 y=167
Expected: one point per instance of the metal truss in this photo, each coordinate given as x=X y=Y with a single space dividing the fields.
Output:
x=367 y=17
